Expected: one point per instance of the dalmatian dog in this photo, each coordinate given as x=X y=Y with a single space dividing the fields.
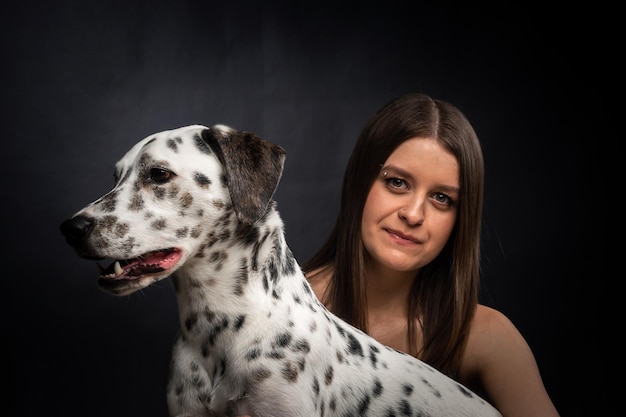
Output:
x=196 y=204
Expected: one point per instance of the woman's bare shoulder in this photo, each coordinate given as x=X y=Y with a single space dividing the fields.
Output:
x=490 y=320
x=491 y=334
x=500 y=362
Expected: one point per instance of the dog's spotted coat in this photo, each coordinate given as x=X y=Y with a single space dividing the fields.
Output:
x=195 y=203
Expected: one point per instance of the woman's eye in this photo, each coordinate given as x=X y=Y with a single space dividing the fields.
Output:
x=160 y=175
x=444 y=199
x=396 y=183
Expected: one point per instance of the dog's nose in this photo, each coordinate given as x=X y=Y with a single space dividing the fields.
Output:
x=76 y=229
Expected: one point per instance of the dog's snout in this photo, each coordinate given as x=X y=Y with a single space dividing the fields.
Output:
x=76 y=229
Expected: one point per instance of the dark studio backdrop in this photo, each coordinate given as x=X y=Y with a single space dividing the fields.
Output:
x=83 y=81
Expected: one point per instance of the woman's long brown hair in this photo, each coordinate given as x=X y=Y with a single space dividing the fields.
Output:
x=444 y=295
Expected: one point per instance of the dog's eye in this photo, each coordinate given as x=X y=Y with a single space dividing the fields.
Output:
x=160 y=175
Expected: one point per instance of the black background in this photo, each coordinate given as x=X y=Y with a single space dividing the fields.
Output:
x=83 y=81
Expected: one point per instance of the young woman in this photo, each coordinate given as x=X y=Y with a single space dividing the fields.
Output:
x=402 y=262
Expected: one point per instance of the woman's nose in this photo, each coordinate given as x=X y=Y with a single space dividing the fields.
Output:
x=413 y=211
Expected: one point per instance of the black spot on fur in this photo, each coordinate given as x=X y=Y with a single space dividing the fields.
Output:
x=275 y=354
x=289 y=264
x=253 y=353
x=171 y=143
x=261 y=374
x=354 y=346
x=247 y=234
x=159 y=224
x=266 y=284
x=159 y=192
x=218 y=257
x=408 y=389
x=129 y=244
x=405 y=408
x=196 y=232
x=109 y=202
x=290 y=372
x=307 y=288
x=271 y=271
x=172 y=192
x=301 y=363
x=301 y=346
x=197 y=381
x=186 y=200
x=328 y=375
x=201 y=145
x=373 y=356
x=282 y=340
x=121 y=229
x=255 y=252
x=225 y=235
x=316 y=387
x=464 y=391
x=241 y=280
x=239 y=322
x=216 y=329
x=191 y=321
x=219 y=370
x=378 y=388
x=205 y=397
x=434 y=390
x=364 y=405
x=144 y=161
x=136 y=203
x=340 y=329
x=202 y=180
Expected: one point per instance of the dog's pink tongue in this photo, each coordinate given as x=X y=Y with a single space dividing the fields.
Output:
x=164 y=259
x=152 y=262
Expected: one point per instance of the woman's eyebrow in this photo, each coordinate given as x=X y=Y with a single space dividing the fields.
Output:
x=449 y=189
x=392 y=169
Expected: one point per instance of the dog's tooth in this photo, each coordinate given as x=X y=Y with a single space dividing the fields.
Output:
x=118 y=269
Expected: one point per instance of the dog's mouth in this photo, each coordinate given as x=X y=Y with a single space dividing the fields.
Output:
x=150 y=263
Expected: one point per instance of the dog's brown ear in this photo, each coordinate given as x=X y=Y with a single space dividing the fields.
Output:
x=253 y=168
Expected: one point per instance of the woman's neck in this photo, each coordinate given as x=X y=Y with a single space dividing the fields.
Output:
x=388 y=290
x=387 y=302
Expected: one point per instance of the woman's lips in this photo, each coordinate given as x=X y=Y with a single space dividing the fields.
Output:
x=402 y=237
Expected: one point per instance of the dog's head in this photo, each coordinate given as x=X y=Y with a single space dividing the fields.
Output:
x=176 y=192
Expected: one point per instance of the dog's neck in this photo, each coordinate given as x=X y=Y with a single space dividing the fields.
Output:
x=254 y=260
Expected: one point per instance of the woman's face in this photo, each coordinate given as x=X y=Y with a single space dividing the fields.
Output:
x=411 y=208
